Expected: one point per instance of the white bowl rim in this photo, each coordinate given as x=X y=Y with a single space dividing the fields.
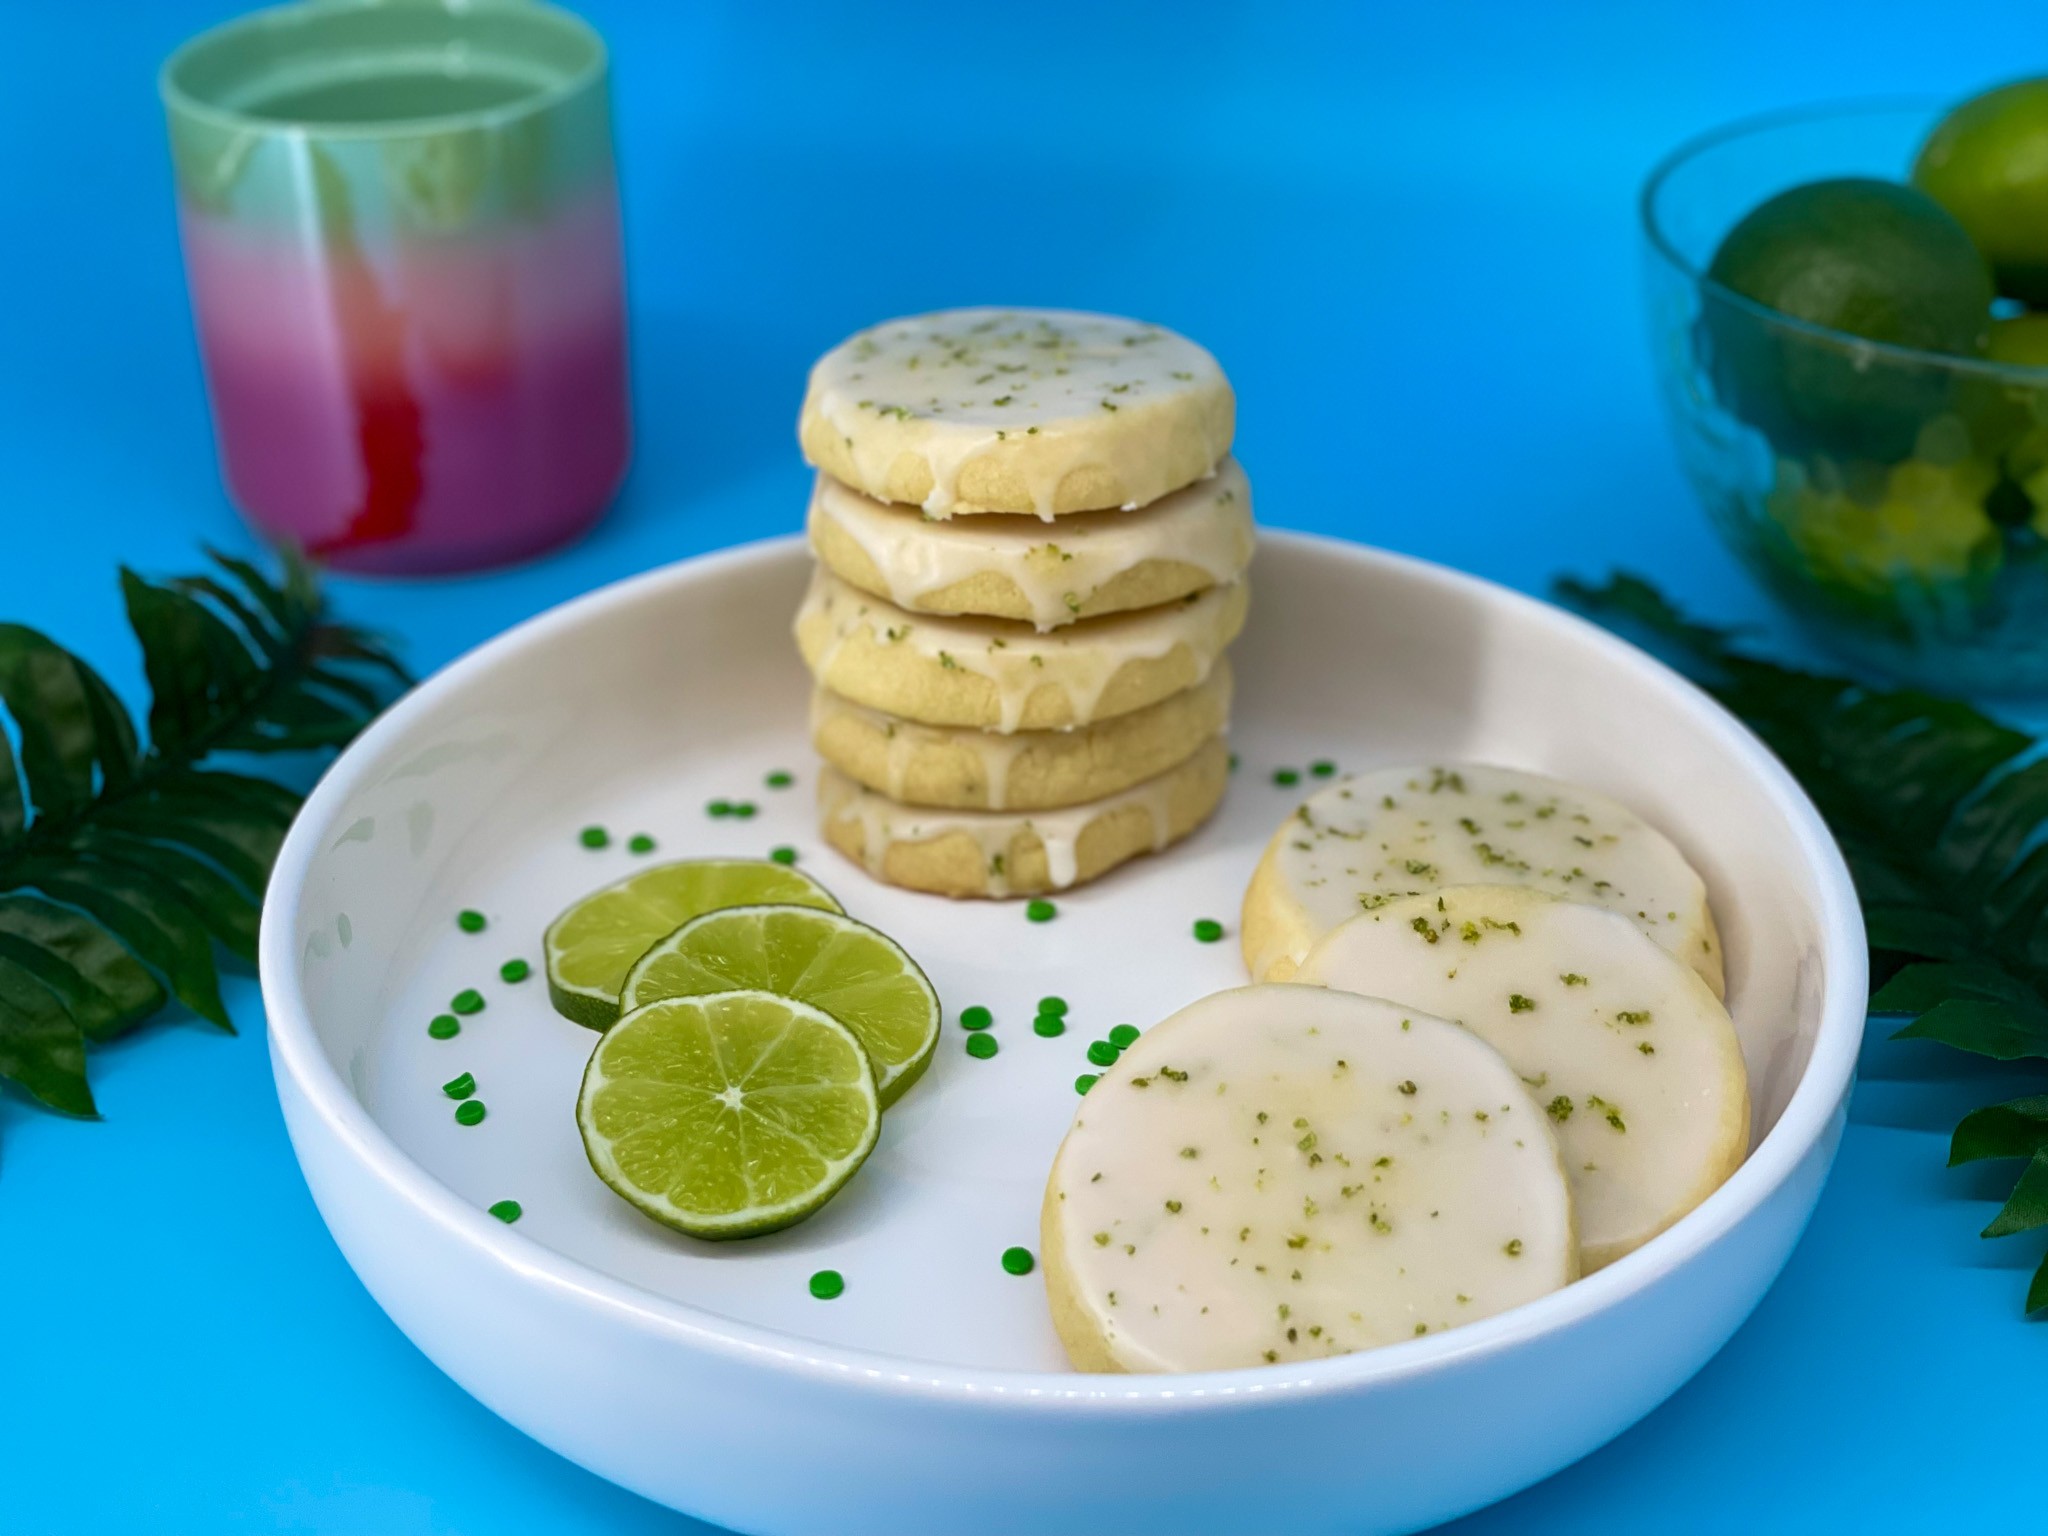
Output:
x=1822 y=1087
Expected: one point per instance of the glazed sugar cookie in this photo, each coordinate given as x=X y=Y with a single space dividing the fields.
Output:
x=1400 y=831
x=1037 y=411
x=997 y=853
x=1634 y=1059
x=1028 y=771
x=993 y=675
x=1276 y=1174
x=1016 y=568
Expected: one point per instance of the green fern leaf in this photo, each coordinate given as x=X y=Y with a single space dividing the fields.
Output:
x=123 y=866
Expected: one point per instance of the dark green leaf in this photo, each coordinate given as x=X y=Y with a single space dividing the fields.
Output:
x=242 y=839
x=2015 y=1129
x=229 y=913
x=288 y=617
x=1918 y=988
x=40 y=1046
x=1987 y=1028
x=258 y=627
x=200 y=671
x=2037 y=1293
x=44 y=688
x=13 y=808
x=95 y=978
x=2027 y=1206
x=148 y=915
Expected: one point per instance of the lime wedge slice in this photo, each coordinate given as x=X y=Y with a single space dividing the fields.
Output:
x=729 y=1115
x=591 y=946
x=860 y=977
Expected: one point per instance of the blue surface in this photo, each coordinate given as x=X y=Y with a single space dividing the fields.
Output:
x=1410 y=239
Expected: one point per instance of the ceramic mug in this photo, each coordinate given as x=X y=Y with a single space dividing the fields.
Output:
x=401 y=232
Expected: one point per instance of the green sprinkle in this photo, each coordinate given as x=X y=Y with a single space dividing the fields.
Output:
x=1322 y=768
x=783 y=855
x=981 y=1047
x=828 y=1284
x=976 y=1017
x=468 y=1000
x=459 y=1087
x=1056 y=1006
x=1039 y=910
x=470 y=921
x=1085 y=1081
x=444 y=1027
x=594 y=837
x=1286 y=777
x=507 y=1211
x=718 y=808
x=1124 y=1036
x=471 y=1112
x=514 y=971
x=1049 y=1025
x=744 y=809
x=640 y=843
x=1102 y=1053
x=1208 y=930
x=1018 y=1261
x=779 y=779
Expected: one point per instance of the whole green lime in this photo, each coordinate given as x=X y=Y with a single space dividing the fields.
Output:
x=1865 y=258
x=1987 y=163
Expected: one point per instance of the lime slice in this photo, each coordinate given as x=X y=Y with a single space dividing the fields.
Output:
x=860 y=977
x=728 y=1115
x=591 y=946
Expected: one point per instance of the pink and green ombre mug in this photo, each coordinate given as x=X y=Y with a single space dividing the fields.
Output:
x=401 y=232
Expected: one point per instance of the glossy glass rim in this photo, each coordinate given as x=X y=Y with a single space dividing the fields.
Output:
x=174 y=95
x=1767 y=122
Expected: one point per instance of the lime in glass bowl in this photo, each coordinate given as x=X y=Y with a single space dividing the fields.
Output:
x=1906 y=525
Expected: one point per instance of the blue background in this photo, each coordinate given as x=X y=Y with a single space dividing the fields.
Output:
x=1408 y=233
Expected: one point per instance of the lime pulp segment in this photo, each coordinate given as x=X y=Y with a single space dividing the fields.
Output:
x=860 y=977
x=729 y=1115
x=592 y=945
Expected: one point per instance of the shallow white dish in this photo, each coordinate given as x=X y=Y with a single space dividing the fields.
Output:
x=932 y=1395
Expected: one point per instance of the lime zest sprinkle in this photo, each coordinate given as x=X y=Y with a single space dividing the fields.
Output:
x=780 y=779
x=976 y=1017
x=1208 y=930
x=1056 y=1006
x=1039 y=910
x=718 y=808
x=828 y=1285
x=444 y=1026
x=744 y=809
x=459 y=1087
x=469 y=920
x=1049 y=1025
x=783 y=855
x=1323 y=768
x=1286 y=778
x=515 y=971
x=1018 y=1261
x=507 y=1211
x=594 y=837
x=1085 y=1081
x=468 y=1000
x=1102 y=1053
x=981 y=1047
x=470 y=1112
x=640 y=843
x=1124 y=1036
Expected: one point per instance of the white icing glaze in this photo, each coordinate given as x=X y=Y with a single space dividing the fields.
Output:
x=1275 y=1174
x=951 y=385
x=1397 y=831
x=1080 y=659
x=884 y=824
x=1208 y=525
x=1635 y=1059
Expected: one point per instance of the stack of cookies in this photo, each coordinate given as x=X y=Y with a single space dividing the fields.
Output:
x=1031 y=547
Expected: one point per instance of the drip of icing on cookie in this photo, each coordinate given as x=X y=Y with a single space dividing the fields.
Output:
x=885 y=824
x=954 y=385
x=1080 y=660
x=1207 y=526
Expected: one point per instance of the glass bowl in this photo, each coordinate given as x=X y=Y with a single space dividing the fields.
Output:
x=1894 y=501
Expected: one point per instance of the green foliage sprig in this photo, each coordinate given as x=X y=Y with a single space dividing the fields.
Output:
x=1940 y=811
x=125 y=861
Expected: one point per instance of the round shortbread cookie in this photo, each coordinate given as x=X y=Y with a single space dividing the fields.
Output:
x=1393 y=832
x=1028 y=771
x=1037 y=411
x=1635 y=1061
x=1002 y=567
x=1011 y=853
x=997 y=675
x=1275 y=1174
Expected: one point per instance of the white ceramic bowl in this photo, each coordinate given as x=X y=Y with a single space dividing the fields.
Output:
x=930 y=1397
